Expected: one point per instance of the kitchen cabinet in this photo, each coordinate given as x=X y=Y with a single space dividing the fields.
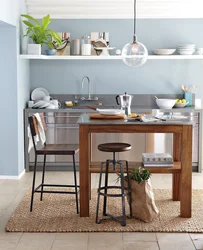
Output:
x=62 y=128
x=67 y=135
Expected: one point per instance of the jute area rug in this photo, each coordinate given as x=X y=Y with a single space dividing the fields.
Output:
x=57 y=213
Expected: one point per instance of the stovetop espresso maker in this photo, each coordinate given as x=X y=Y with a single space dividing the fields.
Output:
x=125 y=102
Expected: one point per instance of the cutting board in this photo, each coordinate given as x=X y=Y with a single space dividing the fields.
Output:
x=100 y=116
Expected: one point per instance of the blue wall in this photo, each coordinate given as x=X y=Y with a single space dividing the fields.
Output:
x=110 y=77
x=14 y=94
x=8 y=97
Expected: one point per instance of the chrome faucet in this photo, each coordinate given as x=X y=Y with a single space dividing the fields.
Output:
x=86 y=77
x=89 y=95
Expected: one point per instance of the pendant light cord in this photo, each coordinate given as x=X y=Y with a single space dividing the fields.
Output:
x=135 y=22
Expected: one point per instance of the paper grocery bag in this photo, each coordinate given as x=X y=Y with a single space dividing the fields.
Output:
x=142 y=199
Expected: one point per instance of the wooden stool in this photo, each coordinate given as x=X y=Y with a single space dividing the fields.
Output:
x=51 y=149
x=114 y=147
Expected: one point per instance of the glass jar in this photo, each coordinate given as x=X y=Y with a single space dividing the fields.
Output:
x=85 y=46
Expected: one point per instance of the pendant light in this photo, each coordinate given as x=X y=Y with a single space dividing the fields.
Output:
x=134 y=54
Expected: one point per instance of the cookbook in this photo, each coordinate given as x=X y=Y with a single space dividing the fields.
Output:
x=157 y=157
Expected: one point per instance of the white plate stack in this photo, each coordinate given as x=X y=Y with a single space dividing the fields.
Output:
x=43 y=104
x=186 y=49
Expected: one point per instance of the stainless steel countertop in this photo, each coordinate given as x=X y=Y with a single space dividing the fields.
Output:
x=84 y=120
x=137 y=109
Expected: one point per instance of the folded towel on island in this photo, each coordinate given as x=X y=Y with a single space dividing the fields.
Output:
x=40 y=137
x=149 y=119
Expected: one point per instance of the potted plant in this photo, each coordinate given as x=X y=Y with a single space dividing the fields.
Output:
x=142 y=196
x=39 y=33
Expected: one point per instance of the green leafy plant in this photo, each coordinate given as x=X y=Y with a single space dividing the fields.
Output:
x=139 y=174
x=39 y=33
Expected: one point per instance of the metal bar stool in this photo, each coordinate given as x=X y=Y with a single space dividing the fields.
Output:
x=51 y=149
x=113 y=147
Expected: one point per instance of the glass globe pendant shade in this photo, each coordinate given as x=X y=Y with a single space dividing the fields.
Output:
x=134 y=54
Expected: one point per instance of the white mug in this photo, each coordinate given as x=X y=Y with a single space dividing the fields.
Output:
x=30 y=104
x=47 y=98
x=56 y=103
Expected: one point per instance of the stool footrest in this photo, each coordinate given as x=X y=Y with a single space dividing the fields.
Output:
x=111 y=195
x=117 y=218
x=36 y=190
x=54 y=192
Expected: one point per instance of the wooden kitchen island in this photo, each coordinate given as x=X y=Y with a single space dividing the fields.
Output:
x=182 y=155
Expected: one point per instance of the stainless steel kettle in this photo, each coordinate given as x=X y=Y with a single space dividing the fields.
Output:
x=125 y=102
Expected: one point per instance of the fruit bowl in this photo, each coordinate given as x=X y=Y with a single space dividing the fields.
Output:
x=180 y=105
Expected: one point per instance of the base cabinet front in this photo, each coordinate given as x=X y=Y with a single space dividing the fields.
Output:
x=67 y=135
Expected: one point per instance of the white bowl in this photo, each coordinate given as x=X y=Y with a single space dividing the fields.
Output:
x=186 y=49
x=186 y=52
x=165 y=103
x=180 y=105
x=163 y=51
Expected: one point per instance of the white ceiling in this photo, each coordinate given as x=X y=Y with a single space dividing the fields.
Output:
x=108 y=9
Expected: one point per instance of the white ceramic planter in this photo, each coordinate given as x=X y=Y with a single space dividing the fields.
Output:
x=34 y=49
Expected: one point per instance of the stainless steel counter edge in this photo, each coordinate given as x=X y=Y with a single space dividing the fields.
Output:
x=133 y=110
x=84 y=119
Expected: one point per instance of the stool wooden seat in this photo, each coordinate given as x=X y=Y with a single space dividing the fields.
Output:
x=59 y=149
x=114 y=147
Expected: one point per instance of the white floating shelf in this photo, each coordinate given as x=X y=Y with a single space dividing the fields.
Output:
x=150 y=57
x=44 y=57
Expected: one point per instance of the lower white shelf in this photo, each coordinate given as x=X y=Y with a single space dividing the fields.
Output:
x=150 y=57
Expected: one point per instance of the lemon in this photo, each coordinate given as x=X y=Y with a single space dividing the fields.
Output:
x=183 y=101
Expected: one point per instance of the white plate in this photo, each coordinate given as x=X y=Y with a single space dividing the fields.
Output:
x=187 y=45
x=39 y=93
x=110 y=111
x=38 y=104
x=45 y=105
x=163 y=51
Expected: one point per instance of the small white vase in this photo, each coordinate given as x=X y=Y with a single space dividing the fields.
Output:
x=34 y=49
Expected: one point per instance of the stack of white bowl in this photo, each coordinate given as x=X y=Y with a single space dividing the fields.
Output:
x=186 y=49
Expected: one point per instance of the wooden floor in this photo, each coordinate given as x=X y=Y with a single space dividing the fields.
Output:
x=12 y=192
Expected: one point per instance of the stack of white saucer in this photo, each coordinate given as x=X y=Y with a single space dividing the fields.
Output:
x=186 y=49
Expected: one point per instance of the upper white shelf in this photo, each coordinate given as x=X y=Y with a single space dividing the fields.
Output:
x=150 y=57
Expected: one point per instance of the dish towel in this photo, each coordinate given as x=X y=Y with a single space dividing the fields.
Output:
x=41 y=137
x=40 y=128
x=30 y=142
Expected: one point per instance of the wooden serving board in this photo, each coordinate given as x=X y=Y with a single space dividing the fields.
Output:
x=100 y=116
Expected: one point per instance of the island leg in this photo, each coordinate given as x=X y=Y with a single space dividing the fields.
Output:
x=84 y=170
x=176 y=176
x=186 y=173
